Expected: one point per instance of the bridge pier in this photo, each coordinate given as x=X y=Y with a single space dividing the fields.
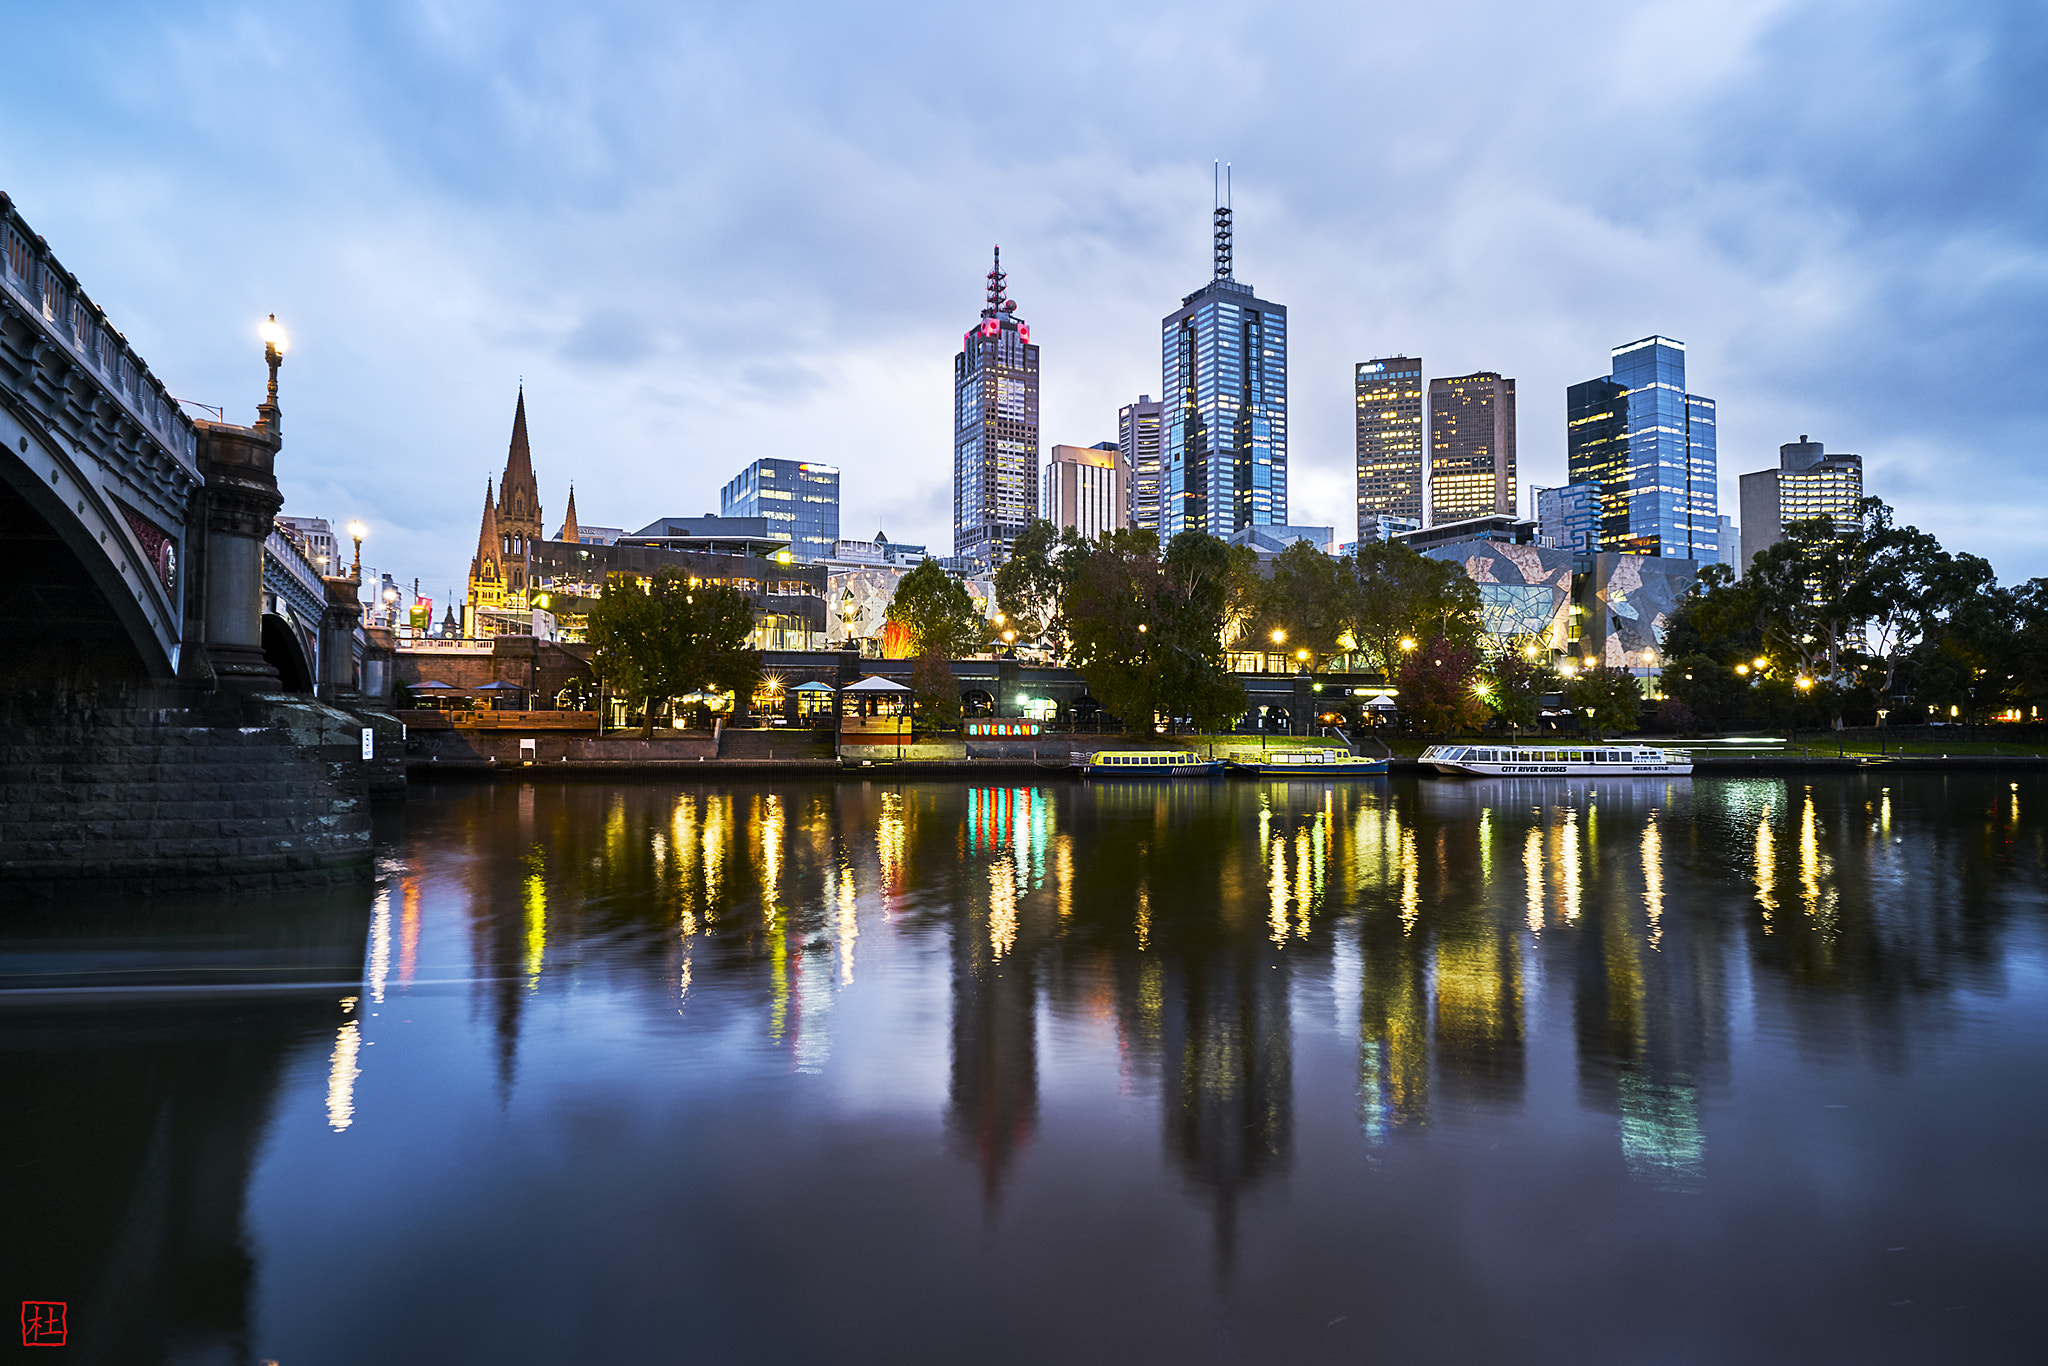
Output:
x=146 y=742
x=241 y=502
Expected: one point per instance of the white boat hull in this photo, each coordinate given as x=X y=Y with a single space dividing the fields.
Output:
x=1561 y=761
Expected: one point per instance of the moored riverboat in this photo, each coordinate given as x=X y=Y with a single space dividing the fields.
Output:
x=1306 y=763
x=1146 y=763
x=1589 y=761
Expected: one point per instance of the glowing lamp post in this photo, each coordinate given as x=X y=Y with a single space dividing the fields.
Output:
x=356 y=532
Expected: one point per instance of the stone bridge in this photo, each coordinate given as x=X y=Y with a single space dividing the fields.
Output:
x=156 y=622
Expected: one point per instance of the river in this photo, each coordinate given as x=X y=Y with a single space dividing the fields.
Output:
x=1704 y=1070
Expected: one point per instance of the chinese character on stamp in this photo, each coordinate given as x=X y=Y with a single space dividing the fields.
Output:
x=42 y=1323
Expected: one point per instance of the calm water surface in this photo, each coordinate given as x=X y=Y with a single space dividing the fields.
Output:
x=1589 y=1071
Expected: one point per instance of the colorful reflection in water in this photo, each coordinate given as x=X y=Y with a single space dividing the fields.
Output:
x=1026 y=1065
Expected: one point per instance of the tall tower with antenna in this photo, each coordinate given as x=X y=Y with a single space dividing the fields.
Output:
x=995 y=428
x=1223 y=365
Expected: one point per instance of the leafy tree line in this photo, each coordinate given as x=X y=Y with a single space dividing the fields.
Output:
x=1829 y=626
x=670 y=638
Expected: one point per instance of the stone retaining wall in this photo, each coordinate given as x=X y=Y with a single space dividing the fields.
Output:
x=151 y=790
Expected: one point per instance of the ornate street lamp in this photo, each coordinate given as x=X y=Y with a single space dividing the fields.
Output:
x=356 y=532
x=274 y=344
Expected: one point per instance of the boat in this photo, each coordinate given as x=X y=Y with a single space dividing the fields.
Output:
x=1551 y=761
x=1306 y=763
x=1146 y=763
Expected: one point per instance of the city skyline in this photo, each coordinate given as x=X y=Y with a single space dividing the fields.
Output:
x=1807 y=258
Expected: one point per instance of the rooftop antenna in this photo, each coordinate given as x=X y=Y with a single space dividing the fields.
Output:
x=997 y=304
x=1222 y=214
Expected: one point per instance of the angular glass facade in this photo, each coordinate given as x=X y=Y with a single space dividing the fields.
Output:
x=1390 y=447
x=1223 y=361
x=1649 y=447
x=796 y=498
x=995 y=430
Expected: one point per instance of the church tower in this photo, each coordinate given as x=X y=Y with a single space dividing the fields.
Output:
x=487 y=570
x=518 y=514
x=569 y=534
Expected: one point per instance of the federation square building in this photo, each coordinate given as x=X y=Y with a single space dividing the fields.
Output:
x=1648 y=448
x=1224 y=367
x=995 y=429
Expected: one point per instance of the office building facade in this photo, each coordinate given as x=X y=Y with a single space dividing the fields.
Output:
x=1139 y=439
x=796 y=498
x=1568 y=518
x=1650 y=449
x=995 y=429
x=1809 y=483
x=1392 y=454
x=1086 y=490
x=1223 y=365
x=1471 y=447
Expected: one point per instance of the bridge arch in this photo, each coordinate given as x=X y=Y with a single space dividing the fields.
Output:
x=286 y=652
x=79 y=598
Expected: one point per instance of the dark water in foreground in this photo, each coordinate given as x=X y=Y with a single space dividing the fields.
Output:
x=1611 y=1071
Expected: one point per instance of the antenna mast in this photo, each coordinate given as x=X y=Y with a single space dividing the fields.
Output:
x=1222 y=213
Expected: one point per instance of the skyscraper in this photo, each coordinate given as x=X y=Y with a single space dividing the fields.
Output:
x=1224 y=366
x=995 y=428
x=1808 y=483
x=1390 y=446
x=1137 y=439
x=797 y=499
x=1471 y=447
x=1650 y=448
x=1085 y=489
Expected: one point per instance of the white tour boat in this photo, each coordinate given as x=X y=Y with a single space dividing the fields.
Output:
x=1571 y=761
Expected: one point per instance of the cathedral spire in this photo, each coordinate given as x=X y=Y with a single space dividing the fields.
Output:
x=570 y=534
x=487 y=570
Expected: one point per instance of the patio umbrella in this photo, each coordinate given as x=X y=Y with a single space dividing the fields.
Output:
x=500 y=687
x=873 y=683
x=436 y=683
x=814 y=687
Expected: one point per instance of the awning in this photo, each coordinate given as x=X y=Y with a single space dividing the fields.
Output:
x=874 y=684
x=814 y=687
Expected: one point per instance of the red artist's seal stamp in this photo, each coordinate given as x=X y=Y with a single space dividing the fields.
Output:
x=42 y=1323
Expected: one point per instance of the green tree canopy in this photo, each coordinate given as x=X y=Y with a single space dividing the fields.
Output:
x=1436 y=685
x=1032 y=581
x=1516 y=682
x=1401 y=594
x=1146 y=630
x=1310 y=601
x=671 y=637
x=1609 y=699
x=938 y=612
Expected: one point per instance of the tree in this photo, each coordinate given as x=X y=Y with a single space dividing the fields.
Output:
x=1516 y=682
x=1110 y=604
x=1146 y=630
x=1435 y=686
x=1711 y=692
x=1193 y=598
x=1306 y=604
x=672 y=636
x=1030 y=583
x=1400 y=594
x=936 y=610
x=935 y=694
x=1608 y=698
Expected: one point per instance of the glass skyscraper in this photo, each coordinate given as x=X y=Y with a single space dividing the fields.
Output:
x=995 y=429
x=1224 y=367
x=1471 y=447
x=1390 y=451
x=798 y=499
x=1649 y=448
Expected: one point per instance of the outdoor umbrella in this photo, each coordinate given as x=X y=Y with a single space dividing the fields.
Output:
x=873 y=683
x=434 y=683
x=500 y=687
x=814 y=687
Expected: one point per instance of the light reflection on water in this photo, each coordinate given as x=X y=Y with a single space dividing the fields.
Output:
x=1251 y=1037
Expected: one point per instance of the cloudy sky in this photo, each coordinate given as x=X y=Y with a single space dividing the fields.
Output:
x=703 y=233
